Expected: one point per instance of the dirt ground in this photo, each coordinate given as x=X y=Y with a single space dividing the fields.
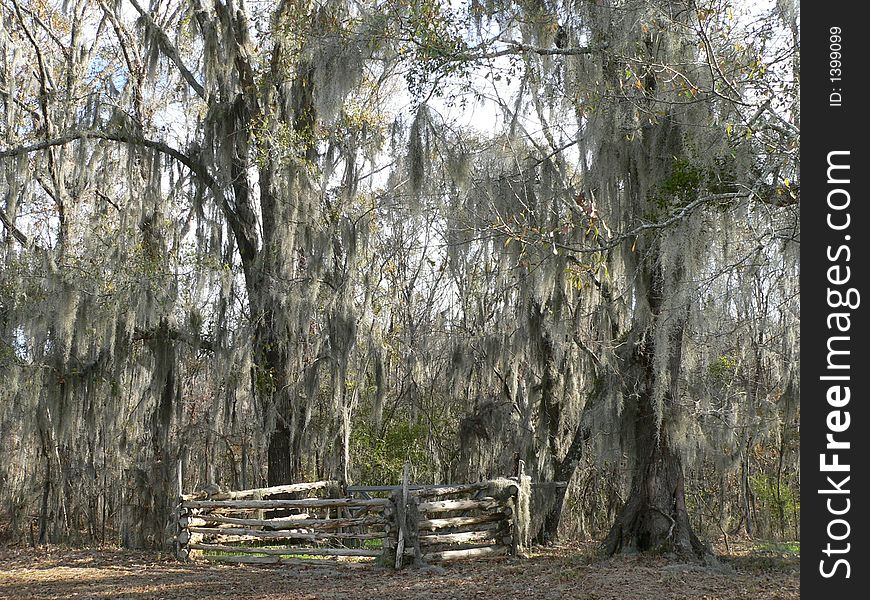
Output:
x=550 y=573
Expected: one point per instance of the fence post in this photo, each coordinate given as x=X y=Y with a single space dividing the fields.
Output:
x=412 y=525
x=401 y=506
x=522 y=516
x=182 y=536
x=407 y=518
x=516 y=502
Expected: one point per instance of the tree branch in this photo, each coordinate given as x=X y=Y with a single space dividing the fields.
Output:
x=11 y=228
x=169 y=49
x=677 y=215
x=131 y=57
x=515 y=47
x=195 y=167
x=198 y=169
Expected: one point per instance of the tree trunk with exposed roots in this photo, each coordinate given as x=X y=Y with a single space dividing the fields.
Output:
x=654 y=518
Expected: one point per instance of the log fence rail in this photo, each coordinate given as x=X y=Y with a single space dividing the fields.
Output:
x=414 y=525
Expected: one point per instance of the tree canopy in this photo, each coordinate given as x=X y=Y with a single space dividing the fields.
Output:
x=264 y=242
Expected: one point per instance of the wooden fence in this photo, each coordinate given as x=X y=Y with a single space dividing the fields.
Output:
x=413 y=525
x=464 y=521
x=270 y=525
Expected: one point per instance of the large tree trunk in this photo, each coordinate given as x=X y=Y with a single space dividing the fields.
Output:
x=272 y=382
x=285 y=465
x=654 y=518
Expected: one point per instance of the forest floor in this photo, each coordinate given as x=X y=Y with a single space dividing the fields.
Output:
x=749 y=571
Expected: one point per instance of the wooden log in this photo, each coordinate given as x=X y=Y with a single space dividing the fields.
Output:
x=514 y=528
x=202 y=520
x=553 y=484
x=411 y=527
x=433 y=524
x=274 y=504
x=445 y=555
x=253 y=513
x=292 y=488
x=278 y=560
x=222 y=516
x=245 y=541
x=195 y=538
x=448 y=505
x=449 y=490
x=277 y=524
x=469 y=537
x=179 y=530
x=288 y=550
x=494 y=526
x=401 y=507
x=259 y=534
x=414 y=488
x=365 y=490
x=502 y=525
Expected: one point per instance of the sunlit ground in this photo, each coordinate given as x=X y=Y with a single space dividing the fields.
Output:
x=752 y=570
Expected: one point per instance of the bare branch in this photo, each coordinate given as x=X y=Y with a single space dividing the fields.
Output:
x=516 y=47
x=676 y=216
x=131 y=56
x=11 y=228
x=197 y=168
x=124 y=137
x=170 y=50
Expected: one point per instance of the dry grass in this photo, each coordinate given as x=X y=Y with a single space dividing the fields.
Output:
x=565 y=572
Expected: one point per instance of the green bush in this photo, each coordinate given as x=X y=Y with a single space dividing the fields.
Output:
x=380 y=456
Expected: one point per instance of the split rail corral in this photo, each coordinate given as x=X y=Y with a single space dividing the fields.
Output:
x=394 y=525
